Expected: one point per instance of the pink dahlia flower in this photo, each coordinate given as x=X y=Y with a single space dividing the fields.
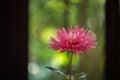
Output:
x=76 y=40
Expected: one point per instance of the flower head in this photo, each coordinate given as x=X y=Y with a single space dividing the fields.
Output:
x=76 y=40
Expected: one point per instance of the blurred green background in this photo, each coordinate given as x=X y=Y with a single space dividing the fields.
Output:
x=45 y=16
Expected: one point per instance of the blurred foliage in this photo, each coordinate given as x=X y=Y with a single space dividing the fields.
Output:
x=45 y=16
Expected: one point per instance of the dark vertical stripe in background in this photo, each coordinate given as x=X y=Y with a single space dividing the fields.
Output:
x=112 y=40
x=14 y=40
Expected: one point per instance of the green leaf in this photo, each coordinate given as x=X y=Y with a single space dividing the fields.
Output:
x=57 y=71
x=81 y=76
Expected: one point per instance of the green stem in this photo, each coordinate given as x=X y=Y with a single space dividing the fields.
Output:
x=70 y=66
